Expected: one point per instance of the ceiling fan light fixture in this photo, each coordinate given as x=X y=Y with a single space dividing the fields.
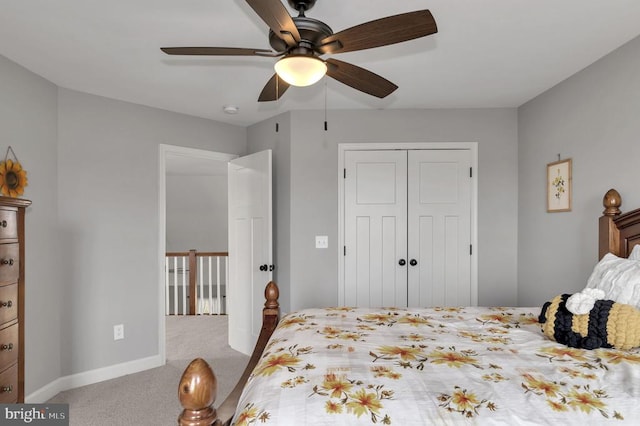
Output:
x=301 y=70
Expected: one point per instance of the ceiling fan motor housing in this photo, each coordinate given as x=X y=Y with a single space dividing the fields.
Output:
x=312 y=32
x=304 y=4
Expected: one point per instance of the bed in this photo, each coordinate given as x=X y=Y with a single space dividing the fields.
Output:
x=441 y=365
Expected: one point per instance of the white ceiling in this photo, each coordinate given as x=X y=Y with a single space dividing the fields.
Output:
x=487 y=53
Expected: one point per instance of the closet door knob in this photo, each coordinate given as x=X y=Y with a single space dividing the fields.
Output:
x=7 y=261
x=6 y=304
x=264 y=268
x=402 y=262
x=413 y=262
x=6 y=389
x=8 y=347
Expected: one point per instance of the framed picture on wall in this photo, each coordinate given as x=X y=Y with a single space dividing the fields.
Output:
x=559 y=186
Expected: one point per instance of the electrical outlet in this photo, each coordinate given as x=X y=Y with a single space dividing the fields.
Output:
x=118 y=332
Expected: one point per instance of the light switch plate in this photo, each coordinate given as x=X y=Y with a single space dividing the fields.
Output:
x=322 y=241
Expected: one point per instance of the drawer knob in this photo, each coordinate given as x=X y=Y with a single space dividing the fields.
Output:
x=3 y=224
x=7 y=261
x=6 y=304
x=6 y=347
x=6 y=389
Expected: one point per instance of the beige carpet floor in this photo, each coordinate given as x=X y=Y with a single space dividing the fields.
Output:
x=151 y=397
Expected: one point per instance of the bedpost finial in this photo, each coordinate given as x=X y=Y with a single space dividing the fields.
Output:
x=611 y=202
x=271 y=293
x=197 y=392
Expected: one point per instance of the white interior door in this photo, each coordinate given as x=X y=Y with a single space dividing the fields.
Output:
x=439 y=220
x=375 y=228
x=250 y=246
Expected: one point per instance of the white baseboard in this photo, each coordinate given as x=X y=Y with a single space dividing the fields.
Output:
x=94 y=376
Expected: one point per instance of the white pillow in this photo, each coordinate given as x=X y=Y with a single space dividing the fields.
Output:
x=619 y=278
x=635 y=253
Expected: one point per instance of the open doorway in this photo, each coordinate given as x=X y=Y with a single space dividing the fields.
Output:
x=192 y=213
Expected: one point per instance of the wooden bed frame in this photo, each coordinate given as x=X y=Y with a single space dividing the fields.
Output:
x=618 y=233
x=198 y=385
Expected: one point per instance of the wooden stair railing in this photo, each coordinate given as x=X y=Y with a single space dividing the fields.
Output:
x=193 y=267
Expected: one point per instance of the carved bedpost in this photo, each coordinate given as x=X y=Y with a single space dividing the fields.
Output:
x=197 y=392
x=271 y=311
x=609 y=240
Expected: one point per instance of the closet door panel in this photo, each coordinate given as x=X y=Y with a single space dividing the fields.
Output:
x=363 y=264
x=424 y=272
x=456 y=289
x=439 y=217
x=375 y=228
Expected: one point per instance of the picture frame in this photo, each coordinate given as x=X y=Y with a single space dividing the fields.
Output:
x=559 y=186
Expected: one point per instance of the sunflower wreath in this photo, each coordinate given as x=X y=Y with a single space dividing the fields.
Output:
x=13 y=178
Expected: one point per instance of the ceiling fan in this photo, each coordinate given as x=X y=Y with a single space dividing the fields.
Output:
x=301 y=40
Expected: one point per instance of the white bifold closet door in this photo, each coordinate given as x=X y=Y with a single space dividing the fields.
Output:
x=407 y=228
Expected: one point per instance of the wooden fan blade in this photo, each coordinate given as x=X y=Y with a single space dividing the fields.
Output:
x=273 y=90
x=360 y=78
x=275 y=15
x=214 y=51
x=381 y=32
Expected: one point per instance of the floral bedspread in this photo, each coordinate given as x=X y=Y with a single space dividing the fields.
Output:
x=345 y=366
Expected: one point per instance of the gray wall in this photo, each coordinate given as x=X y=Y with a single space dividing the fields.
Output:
x=592 y=117
x=196 y=213
x=263 y=136
x=312 y=188
x=108 y=174
x=28 y=122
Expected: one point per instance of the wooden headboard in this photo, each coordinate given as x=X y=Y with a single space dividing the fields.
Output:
x=618 y=232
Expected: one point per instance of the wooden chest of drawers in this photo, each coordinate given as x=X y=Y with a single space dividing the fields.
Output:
x=12 y=212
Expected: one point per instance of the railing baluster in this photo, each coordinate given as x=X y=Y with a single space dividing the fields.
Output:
x=192 y=288
x=226 y=280
x=175 y=286
x=199 y=298
x=184 y=286
x=210 y=287
x=166 y=285
x=218 y=292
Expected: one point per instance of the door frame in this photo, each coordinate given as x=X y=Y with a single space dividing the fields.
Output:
x=473 y=149
x=165 y=151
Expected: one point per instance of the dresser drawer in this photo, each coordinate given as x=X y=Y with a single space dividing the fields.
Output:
x=8 y=303
x=9 y=385
x=9 y=346
x=8 y=224
x=9 y=263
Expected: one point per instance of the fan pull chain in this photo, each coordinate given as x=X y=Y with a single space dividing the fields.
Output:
x=325 y=105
